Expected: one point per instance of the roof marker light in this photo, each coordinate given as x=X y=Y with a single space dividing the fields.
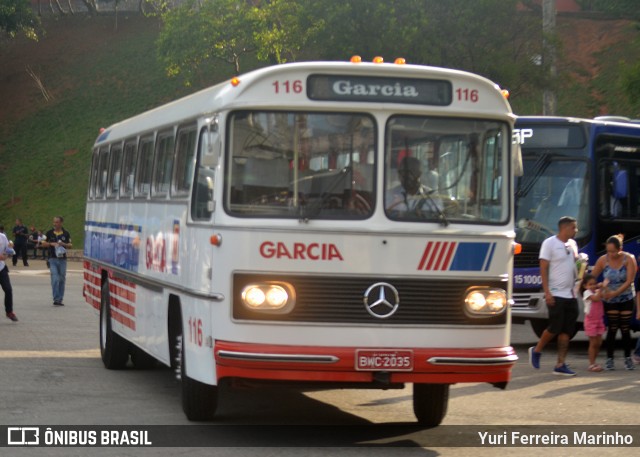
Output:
x=378 y=59
x=400 y=61
x=235 y=81
x=505 y=93
x=355 y=59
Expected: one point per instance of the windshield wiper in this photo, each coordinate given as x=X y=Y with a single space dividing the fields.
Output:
x=441 y=216
x=312 y=210
x=539 y=168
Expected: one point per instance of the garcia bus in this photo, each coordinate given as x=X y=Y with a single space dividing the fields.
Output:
x=241 y=233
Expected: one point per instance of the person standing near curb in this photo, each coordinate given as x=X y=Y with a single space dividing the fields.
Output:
x=5 y=282
x=558 y=256
x=58 y=240
x=619 y=268
x=21 y=234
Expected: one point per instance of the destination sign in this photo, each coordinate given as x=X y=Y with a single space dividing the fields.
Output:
x=379 y=89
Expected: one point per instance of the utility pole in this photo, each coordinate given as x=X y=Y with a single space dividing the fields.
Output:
x=549 y=100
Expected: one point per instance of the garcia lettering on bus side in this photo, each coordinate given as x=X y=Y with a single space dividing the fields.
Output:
x=161 y=248
x=300 y=251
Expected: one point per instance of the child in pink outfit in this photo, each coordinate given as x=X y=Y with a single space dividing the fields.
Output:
x=593 y=317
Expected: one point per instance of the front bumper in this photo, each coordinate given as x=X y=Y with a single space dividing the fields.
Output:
x=338 y=364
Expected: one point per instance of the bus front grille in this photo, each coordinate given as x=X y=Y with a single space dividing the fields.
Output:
x=333 y=299
x=528 y=258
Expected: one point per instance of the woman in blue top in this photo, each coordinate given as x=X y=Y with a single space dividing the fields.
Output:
x=619 y=268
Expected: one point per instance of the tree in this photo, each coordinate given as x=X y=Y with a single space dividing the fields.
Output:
x=627 y=9
x=282 y=29
x=198 y=32
x=16 y=16
x=631 y=84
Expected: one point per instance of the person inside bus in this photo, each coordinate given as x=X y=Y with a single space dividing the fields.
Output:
x=411 y=195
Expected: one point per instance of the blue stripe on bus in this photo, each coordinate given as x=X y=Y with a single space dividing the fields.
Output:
x=122 y=250
x=487 y=263
x=113 y=225
x=472 y=256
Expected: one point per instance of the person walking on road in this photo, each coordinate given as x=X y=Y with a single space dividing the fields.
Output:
x=558 y=255
x=21 y=236
x=58 y=240
x=5 y=282
x=619 y=268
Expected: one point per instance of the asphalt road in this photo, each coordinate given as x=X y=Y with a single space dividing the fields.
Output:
x=51 y=374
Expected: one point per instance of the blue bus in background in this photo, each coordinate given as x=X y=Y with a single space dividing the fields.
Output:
x=587 y=169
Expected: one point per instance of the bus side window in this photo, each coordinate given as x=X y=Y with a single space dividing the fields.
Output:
x=144 y=168
x=202 y=196
x=103 y=165
x=114 y=171
x=185 y=161
x=163 y=164
x=94 y=174
x=128 y=168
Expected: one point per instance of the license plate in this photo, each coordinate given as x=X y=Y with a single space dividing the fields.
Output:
x=384 y=360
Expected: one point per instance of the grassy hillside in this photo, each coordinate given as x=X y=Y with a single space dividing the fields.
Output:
x=94 y=75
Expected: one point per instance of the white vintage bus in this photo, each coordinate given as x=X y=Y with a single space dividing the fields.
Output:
x=252 y=232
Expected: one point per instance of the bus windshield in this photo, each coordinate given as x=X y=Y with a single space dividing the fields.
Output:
x=551 y=187
x=443 y=169
x=300 y=165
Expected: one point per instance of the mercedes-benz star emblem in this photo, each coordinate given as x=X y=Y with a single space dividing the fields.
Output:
x=381 y=300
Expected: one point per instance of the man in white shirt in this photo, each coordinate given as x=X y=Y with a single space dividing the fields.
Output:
x=558 y=256
x=5 y=282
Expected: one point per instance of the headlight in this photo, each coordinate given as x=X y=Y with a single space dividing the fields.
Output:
x=269 y=297
x=486 y=301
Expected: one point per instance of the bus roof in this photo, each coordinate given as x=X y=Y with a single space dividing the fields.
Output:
x=602 y=120
x=258 y=89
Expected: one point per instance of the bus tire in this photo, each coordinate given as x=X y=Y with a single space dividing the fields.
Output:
x=141 y=360
x=114 y=350
x=199 y=400
x=430 y=403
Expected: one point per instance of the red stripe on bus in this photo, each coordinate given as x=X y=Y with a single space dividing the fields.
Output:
x=439 y=262
x=124 y=282
x=434 y=255
x=122 y=306
x=93 y=302
x=122 y=292
x=124 y=320
x=423 y=261
x=448 y=256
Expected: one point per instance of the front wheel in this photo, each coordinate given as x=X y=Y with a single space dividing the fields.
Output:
x=430 y=403
x=114 y=350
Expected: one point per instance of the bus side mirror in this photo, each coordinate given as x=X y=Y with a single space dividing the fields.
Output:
x=211 y=147
x=516 y=160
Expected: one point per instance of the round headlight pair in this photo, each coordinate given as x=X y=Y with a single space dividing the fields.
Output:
x=268 y=297
x=486 y=301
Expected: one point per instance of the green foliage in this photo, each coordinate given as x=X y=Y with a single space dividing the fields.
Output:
x=16 y=16
x=627 y=9
x=46 y=156
x=282 y=29
x=631 y=84
x=197 y=33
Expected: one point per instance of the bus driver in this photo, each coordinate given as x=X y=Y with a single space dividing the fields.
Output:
x=411 y=196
